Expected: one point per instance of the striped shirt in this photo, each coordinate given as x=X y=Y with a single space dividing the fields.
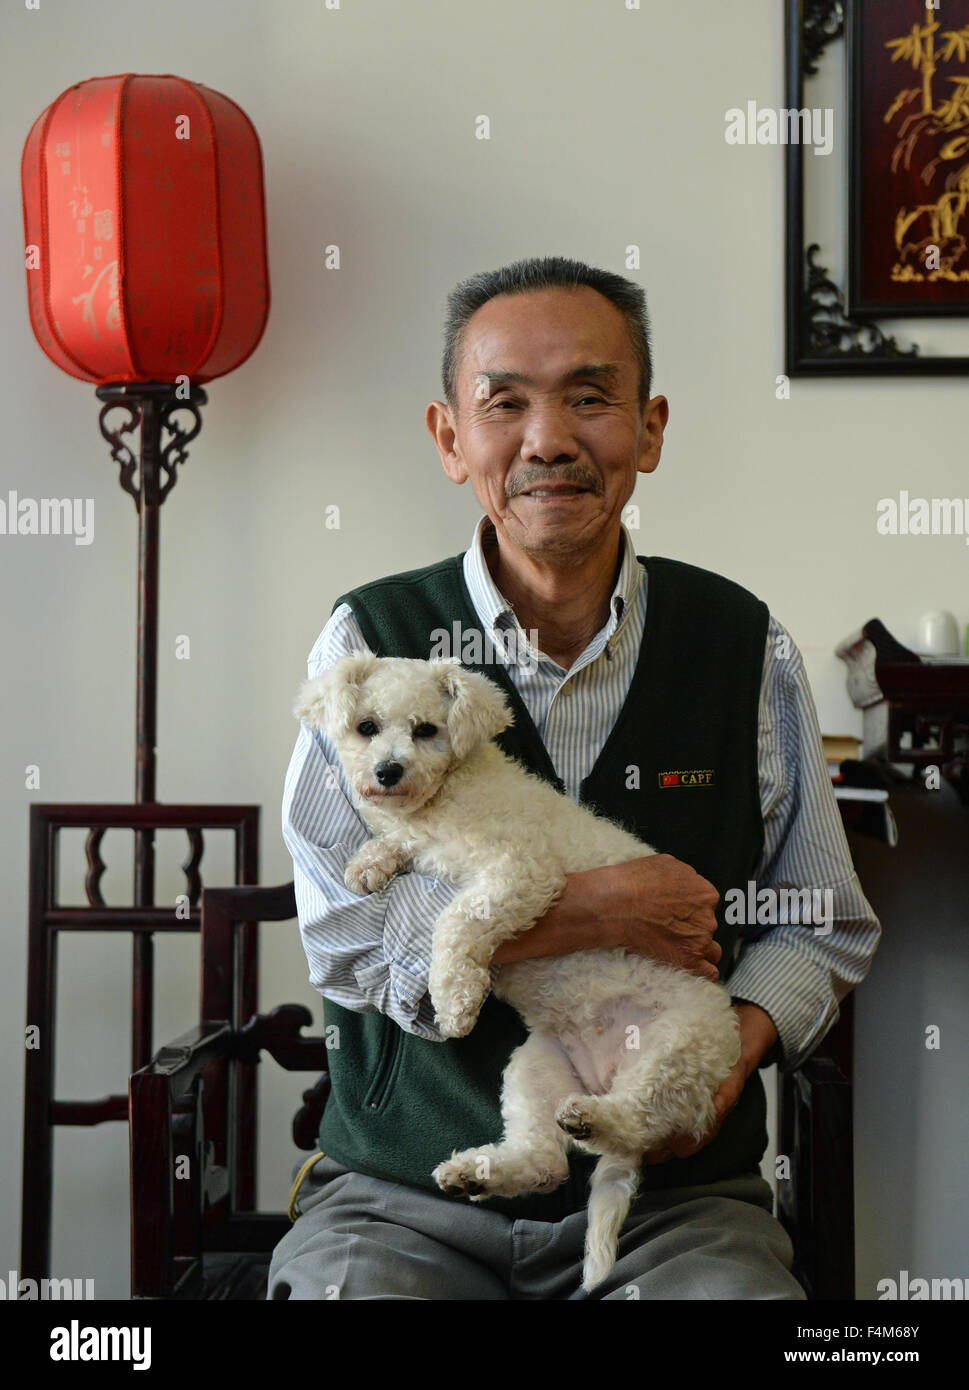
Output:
x=372 y=953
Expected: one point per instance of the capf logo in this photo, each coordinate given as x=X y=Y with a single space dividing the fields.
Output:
x=693 y=777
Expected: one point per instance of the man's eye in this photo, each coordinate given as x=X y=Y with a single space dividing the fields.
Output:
x=425 y=731
x=585 y=400
x=368 y=728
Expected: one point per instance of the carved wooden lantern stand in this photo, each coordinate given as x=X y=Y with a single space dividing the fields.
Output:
x=147 y=275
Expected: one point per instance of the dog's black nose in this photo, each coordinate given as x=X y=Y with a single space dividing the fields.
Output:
x=388 y=774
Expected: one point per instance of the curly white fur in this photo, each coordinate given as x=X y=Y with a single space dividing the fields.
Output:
x=623 y=1051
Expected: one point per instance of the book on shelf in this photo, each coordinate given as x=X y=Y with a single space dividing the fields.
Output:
x=839 y=748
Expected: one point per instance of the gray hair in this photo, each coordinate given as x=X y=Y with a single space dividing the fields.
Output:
x=543 y=273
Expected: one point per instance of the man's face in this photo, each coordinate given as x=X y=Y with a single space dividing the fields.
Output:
x=549 y=428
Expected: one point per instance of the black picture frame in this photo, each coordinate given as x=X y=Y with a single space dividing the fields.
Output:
x=822 y=337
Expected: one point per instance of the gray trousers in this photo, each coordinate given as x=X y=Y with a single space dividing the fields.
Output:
x=360 y=1237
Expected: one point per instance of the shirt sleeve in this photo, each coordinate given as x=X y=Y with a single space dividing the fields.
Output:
x=799 y=972
x=370 y=953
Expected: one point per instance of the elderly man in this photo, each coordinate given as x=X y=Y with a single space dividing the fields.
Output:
x=664 y=695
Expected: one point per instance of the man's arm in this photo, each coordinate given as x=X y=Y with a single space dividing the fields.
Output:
x=789 y=978
x=656 y=906
x=798 y=973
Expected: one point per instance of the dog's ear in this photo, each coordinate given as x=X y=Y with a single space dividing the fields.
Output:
x=328 y=701
x=478 y=711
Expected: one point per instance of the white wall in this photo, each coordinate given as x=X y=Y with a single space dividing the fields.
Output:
x=607 y=129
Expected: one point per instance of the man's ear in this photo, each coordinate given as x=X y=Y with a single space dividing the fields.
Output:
x=478 y=711
x=327 y=702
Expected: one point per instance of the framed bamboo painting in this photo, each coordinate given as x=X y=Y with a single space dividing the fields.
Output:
x=877 y=257
x=908 y=118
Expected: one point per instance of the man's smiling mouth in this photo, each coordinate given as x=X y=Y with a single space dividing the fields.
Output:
x=571 y=491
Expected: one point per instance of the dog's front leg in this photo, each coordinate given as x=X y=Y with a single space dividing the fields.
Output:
x=459 y=977
x=470 y=930
x=374 y=865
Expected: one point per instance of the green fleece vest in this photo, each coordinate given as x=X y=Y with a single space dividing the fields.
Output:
x=399 y=1103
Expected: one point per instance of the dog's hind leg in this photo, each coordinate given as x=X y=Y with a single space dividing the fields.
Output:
x=666 y=1088
x=533 y=1154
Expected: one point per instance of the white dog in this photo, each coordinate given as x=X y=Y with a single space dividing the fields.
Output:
x=623 y=1051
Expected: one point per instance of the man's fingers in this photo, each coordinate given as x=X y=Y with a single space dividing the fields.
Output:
x=703 y=918
x=710 y=954
x=706 y=893
x=677 y=1146
x=658 y=1155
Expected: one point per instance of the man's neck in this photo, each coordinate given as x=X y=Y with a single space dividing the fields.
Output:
x=566 y=604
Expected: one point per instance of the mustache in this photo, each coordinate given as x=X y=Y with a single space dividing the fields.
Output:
x=532 y=477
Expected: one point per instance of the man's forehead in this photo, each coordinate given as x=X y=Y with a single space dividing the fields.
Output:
x=606 y=373
x=559 y=336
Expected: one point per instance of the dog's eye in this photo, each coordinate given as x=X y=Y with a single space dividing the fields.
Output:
x=425 y=731
x=368 y=728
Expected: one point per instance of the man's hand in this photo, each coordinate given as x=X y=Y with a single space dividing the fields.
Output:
x=656 y=906
x=757 y=1036
x=665 y=910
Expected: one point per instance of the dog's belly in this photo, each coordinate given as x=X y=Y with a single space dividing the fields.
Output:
x=598 y=1004
x=596 y=1048
x=572 y=991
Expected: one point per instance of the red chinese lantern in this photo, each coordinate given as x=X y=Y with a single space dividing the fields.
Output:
x=145 y=225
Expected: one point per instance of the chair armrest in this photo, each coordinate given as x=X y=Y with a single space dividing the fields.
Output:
x=816 y=1203
x=182 y=1202
x=164 y=1127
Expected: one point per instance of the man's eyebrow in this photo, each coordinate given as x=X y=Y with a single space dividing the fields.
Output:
x=597 y=371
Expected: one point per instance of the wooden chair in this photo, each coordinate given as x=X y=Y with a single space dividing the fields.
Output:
x=195 y=1233
x=141 y=919
x=192 y=1113
x=816 y=1202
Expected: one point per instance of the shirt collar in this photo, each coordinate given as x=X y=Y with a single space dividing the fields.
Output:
x=495 y=610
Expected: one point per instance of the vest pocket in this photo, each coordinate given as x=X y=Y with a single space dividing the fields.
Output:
x=390 y=1047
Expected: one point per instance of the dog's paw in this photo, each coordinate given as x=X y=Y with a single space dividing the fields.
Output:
x=458 y=994
x=480 y=1173
x=462 y=1175
x=456 y=1021
x=368 y=878
x=574 y=1115
x=372 y=868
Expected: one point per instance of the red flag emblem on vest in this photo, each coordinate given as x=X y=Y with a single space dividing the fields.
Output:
x=689 y=777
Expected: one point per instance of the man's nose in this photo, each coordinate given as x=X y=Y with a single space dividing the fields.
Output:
x=549 y=438
x=388 y=774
